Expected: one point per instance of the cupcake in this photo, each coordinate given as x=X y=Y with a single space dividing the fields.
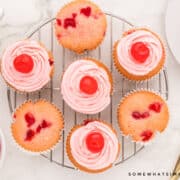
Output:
x=26 y=66
x=139 y=54
x=141 y=114
x=37 y=126
x=93 y=146
x=80 y=25
x=87 y=86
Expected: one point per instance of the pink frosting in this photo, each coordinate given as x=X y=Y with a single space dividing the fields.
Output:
x=127 y=61
x=91 y=160
x=75 y=98
x=40 y=74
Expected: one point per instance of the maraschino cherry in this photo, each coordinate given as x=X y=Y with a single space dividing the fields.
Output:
x=140 y=52
x=95 y=142
x=88 y=85
x=23 y=63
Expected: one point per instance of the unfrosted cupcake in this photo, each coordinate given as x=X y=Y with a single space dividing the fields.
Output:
x=37 y=126
x=26 y=66
x=87 y=86
x=93 y=146
x=80 y=25
x=139 y=54
x=142 y=114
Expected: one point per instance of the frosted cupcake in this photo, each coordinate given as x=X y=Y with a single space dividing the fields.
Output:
x=142 y=114
x=139 y=54
x=26 y=66
x=87 y=86
x=93 y=147
x=37 y=126
x=80 y=25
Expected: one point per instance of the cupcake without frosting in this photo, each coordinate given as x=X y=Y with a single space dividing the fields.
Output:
x=93 y=146
x=80 y=25
x=141 y=114
x=87 y=86
x=37 y=126
x=26 y=66
x=139 y=54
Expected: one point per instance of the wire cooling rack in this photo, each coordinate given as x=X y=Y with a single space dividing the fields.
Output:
x=63 y=57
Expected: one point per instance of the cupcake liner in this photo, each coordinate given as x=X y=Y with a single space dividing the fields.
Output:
x=156 y=132
x=74 y=162
x=79 y=50
x=149 y=75
x=3 y=148
x=28 y=151
x=50 y=74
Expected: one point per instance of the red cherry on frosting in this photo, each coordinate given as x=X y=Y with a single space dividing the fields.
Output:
x=29 y=135
x=146 y=135
x=95 y=142
x=86 y=11
x=140 y=52
x=23 y=63
x=88 y=85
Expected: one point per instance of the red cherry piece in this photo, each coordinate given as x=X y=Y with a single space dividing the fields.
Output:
x=69 y=22
x=88 y=85
x=156 y=107
x=136 y=115
x=146 y=135
x=51 y=62
x=95 y=142
x=30 y=119
x=45 y=124
x=23 y=63
x=58 y=21
x=14 y=116
x=86 y=11
x=145 y=115
x=140 y=52
x=85 y=122
x=29 y=135
x=38 y=129
x=74 y=15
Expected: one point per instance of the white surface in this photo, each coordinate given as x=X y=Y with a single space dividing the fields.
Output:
x=2 y=148
x=173 y=27
x=158 y=157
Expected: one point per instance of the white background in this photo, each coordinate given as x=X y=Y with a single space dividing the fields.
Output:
x=160 y=156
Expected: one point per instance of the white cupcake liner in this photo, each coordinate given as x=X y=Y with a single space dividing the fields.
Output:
x=29 y=152
x=156 y=133
x=3 y=148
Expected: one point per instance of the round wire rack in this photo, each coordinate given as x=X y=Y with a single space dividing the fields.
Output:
x=63 y=57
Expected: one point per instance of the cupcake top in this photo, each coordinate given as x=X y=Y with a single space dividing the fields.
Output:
x=142 y=119
x=94 y=145
x=26 y=66
x=139 y=51
x=34 y=128
x=86 y=86
x=80 y=25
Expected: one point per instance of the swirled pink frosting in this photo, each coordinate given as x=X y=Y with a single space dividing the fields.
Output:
x=91 y=160
x=127 y=61
x=40 y=74
x=75 y=98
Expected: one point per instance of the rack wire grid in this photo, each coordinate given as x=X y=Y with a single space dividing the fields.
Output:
x=63 y=57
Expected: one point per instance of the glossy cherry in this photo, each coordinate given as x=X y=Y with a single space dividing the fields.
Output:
x=140 y=52
x=30 y=119
x=58 y=21
x=23 y=63
x=156 y=107
x=136 y=115
x=88 y=85
x=69 y=22
x=45 y=124
x=145 y=115
x=95 y=142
